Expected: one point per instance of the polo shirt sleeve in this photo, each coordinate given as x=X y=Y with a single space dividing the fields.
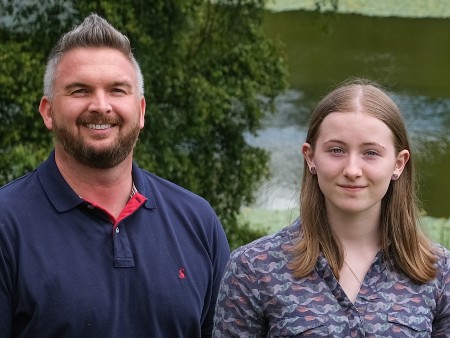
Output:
x=220 y=258
x=5 y=294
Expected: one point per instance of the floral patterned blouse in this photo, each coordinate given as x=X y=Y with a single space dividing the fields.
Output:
x=260 y=298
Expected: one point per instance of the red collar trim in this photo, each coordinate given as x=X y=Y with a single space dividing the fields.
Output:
x=132 y=205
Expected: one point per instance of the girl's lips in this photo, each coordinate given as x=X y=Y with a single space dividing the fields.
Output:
x=352 y=187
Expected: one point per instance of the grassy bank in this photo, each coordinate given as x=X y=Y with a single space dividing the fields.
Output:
x=382 y=8
x=438 y=229
x=273 y=220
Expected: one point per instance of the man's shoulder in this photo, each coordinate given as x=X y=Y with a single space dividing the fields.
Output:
x=17 y=185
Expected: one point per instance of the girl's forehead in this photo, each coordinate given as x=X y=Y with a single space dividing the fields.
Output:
x=352 y=125
x=347 y=119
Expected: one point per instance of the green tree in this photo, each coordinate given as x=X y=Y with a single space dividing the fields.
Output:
x=27 y=30
x=210 y=75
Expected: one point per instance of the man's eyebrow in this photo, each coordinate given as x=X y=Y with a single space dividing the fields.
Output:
x=122 y=84
x=75 y=85
x=72 y=85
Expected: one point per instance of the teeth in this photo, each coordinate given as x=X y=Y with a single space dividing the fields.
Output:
x=99 y=126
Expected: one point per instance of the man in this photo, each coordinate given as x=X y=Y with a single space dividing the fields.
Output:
x=91 y=245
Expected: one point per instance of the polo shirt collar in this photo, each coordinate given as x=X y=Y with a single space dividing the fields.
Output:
x=143 y=187
x=64 y=198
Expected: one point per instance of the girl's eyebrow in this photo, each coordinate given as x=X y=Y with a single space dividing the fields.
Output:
x=334 y=141
x=376 y=144
x=373 y=144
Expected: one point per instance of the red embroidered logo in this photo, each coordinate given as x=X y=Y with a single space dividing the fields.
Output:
x=181 y=274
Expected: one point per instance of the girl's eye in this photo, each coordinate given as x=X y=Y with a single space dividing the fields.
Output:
x=372 y=153
x=336 y=151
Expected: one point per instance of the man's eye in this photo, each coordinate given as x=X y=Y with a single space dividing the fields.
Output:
x=80 y=91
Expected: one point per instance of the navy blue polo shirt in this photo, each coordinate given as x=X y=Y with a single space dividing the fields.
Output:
x=64 y=272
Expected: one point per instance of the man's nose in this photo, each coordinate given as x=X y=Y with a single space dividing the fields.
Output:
x=100 y=103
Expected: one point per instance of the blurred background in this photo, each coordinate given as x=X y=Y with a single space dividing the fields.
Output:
x=229 y=87
x=404 y=45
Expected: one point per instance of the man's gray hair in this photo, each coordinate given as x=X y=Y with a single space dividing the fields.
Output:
x=94 y=31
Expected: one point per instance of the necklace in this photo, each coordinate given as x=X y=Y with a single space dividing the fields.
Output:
x=353 y=272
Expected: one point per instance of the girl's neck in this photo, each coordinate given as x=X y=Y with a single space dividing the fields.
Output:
x=356 y=230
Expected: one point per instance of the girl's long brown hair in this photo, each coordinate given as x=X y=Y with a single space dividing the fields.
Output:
x=403 y=243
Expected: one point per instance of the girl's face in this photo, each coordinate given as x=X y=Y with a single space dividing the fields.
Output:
x=355 y=159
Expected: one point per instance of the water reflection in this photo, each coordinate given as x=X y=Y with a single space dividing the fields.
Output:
x=283 y=133
x=408 y=56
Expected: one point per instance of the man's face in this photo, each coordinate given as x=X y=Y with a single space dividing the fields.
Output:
x=96 y=112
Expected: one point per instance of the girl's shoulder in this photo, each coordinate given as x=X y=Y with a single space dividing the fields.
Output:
x=443 y=257
x=272 y=245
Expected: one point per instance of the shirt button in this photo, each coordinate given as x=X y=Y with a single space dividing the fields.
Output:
x=117 y=230
x=90 y=206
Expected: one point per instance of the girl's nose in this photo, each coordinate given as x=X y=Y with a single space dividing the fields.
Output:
x=352 y=169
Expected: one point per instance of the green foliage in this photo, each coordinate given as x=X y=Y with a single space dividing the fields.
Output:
x=438 y=229
x=210 y=74
x=27 y=30
x=21 y=129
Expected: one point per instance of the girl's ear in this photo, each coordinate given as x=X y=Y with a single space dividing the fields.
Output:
x=402 y=159
x=308 y=154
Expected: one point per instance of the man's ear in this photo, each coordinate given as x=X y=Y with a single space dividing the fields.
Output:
x=45 y=108
x=142 y=112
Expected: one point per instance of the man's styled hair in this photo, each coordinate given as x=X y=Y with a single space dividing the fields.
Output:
x=403 y=243
x=94 y=31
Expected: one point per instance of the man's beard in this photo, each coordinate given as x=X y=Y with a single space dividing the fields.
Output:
x=90 y=156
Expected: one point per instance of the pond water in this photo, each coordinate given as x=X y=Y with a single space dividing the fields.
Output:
x=410 y=57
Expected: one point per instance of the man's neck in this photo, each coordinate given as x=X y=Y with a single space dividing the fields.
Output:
x=108 y=188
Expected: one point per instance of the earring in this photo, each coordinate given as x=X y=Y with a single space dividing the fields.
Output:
x=394 y=177
x=313 y=170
